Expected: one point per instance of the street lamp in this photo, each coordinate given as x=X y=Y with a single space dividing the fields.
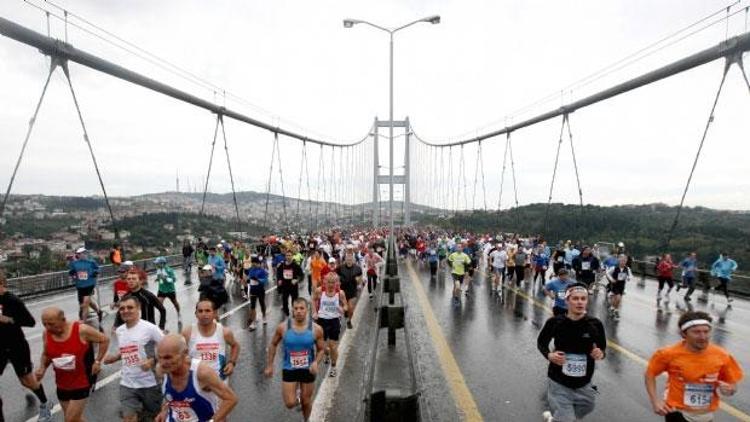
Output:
x=348 y=23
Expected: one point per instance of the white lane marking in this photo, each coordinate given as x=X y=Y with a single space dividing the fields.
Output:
x=116 y=375
x=323 y=401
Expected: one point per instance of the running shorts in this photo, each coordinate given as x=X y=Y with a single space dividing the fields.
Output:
x=171 y=295
x=140 y=400
x=617 y=288
x=19 y=355
x=80 y=394
x=303 y=376
x=84 y=291
x=331 y=328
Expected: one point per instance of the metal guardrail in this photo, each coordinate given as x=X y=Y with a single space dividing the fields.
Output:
x=739 y=285
x=40 y=284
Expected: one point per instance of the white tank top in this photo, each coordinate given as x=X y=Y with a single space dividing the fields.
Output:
x=211 y=350
x=329 y=306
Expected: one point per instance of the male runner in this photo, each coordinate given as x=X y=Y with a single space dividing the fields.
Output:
x=120 y=286
x=459 y=261
x=664 y=276
x=84 y=271
x=288 y=275
x=556 y=289
x=689 y=274
x=192 y=391
x=331 y=306
x=498 y=257
x=15 y=349
x=722 y=269
x=350 y=276
x=257 y=279
x=585 y=266
x=208 y=340
x=303 y=347
x=68 y=348
x=579 y=341
x=140 y=395
x=698 y=371
x=147 y=300
x=166 y=279
x=618 y=277
x=373 y=262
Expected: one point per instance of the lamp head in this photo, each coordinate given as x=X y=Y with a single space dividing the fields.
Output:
x=348 y=23
x=432 y=19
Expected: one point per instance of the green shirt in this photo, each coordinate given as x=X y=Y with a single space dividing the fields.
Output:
x=166 y=279
x=459 y=261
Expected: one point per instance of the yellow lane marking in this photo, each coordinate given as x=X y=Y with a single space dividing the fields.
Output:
x=461 y=394
x=737 y=413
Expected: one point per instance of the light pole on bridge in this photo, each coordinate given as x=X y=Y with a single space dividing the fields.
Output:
x=348 y=23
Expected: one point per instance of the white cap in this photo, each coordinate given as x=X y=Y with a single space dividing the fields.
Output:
x=128 y=263
x=332 y=259
x=219 y=246
x=206 y=268
x=80 y=250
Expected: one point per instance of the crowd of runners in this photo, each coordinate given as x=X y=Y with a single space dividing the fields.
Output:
x=184 y=375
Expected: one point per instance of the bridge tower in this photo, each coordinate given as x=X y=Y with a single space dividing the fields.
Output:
x=402 y=179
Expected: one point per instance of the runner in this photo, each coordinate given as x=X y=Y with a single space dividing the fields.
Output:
x=541 y=262
x=697 y=372
x=288 y=275
x=556 y=289
x=722 y=269
x=579 y=341
x=15 y=349
x=519 y=259
x=689 y=273
x=140 y=396
x=350 y=277
x=317 y=263
x=458 y=261
x=257 y=277
x=303 y=347
x=664 y=274
x=432 y=260
x=147 y=300
x=498 y=258
x=331 y=307
x=618 y=277
x=192 y=391
x=120 y=286
x=84 y=271
x=166 y=279
x=208 y=340
x=68 y=348
x=187 y=260
x=586 y=265
x=373 y=262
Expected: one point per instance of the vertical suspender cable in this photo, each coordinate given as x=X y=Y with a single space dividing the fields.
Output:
x=317 y=191
x=476 y=177
x=270 y=176
x=53 y=65
x=554 y=173
x=578 y=179
x=515 y=186
x=231 y=177
x=697 y=155
x=281 y=180
x=484 y=186
x=299 y=183
x=210 y=163
x=91 y=151
x=502 y=174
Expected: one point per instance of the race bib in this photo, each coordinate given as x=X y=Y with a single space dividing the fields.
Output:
x=65 y=363
x=207 y=352
x=331 y=308
x=181 y=411
x=254 y=282
x=622 y=276
x=82 y=275
x=288 y=274
x=575 y=365
x=561 y=294
x=300 y=360
x=698 y=396
x=585 y=266
x=130 y=356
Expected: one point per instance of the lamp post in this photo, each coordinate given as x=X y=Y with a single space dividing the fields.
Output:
x=348 y=23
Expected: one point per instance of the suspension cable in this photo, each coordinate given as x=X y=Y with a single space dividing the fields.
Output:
x=578 y=180
x=281 y=180
x=484 y=186
x=210 y=163
x=270 y=175
x=91 y=150
x=697 y=155
x=32 y=121
x=513 y=171
x=299 y=183
x=554 y=173
x=476 y=178
x=502 y=172
x=317 y=191
x=231 y=178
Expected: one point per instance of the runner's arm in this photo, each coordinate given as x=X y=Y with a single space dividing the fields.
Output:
x=344 y=303
x=208 y=380
x=277 y=336
x=22 y=316
x=234 y=354
x=545 y=336
x=44 y=362
x=320 y=344
x=162 y=310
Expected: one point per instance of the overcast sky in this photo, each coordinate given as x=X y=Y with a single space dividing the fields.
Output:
x=300 y=68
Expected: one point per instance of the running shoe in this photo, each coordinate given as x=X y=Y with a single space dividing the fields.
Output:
x=688 y=299
x=349 y=324
x=332 y=374
x=252 y=326
x=265 y=321
x=45 y=413
x=547 y=416
x=327 y=361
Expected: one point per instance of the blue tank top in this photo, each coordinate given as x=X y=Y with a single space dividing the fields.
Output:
x=299 y=348
x=191 y=404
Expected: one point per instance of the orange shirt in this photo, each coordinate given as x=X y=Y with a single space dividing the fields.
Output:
x=316 y=265
x=693 y=377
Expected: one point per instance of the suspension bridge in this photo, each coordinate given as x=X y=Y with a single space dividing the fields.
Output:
x=477 y=362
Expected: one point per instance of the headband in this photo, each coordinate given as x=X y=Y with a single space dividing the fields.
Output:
x=694 y=322
x=573 y=289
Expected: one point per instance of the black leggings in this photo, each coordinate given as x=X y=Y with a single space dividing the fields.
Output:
x=723 y=286
x=667 y=280
x=675 y=417
x=261 y=298
x=520 y=270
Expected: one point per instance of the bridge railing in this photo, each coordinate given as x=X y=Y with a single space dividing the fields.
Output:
x=740 y=284
x=51 y=282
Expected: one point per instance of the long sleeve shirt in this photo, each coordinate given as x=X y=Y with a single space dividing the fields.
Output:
x=11 y=306
x=148 y=302
x=576 y=339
